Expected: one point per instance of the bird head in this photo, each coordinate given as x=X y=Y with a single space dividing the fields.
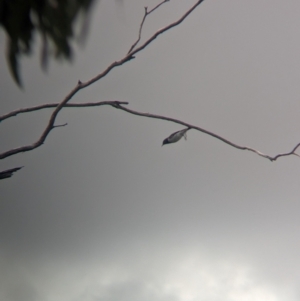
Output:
x=166 y=141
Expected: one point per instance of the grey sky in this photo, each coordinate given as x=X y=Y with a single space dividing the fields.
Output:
x=102 y=212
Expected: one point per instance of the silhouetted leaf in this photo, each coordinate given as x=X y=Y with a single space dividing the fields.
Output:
x=8 y=173
x=53 y=20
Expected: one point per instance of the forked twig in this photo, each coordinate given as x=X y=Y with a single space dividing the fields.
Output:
x=146 y=13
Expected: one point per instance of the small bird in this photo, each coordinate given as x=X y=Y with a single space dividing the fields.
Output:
x=176 y=136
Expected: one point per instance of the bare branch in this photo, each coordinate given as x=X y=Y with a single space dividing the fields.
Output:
x=54 y=105
x=164 y=29
x=131 y=56
x=81 y=85
x=50 y=125
x=146 y=13
x=292 y=152
x=47 y=130
x=119 y=105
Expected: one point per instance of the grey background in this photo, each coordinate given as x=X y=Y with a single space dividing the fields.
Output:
x=103 y=212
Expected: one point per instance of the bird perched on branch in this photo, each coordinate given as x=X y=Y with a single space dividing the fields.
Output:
x=176 y=136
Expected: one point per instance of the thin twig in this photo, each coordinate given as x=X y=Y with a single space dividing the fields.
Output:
x=164 y=29
x=59 y=125
x=292 y=152
x=146 y=13
x=140 y=31
x=157 y=6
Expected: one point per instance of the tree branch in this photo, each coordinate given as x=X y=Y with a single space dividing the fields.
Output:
x=292 y=152
x=50 y=125
x=81 y=85
x=146 y=13
x=164 y=29
x=119 y=105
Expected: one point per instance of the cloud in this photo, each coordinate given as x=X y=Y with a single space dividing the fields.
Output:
x=179 y=278
x=161 y=275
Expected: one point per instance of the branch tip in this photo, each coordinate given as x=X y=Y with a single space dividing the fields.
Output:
x=59 y=125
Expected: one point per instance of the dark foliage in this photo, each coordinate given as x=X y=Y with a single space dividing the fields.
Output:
x=53 y=20
x=8 y=173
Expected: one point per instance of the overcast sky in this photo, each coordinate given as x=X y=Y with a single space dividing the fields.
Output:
x=102 y=212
